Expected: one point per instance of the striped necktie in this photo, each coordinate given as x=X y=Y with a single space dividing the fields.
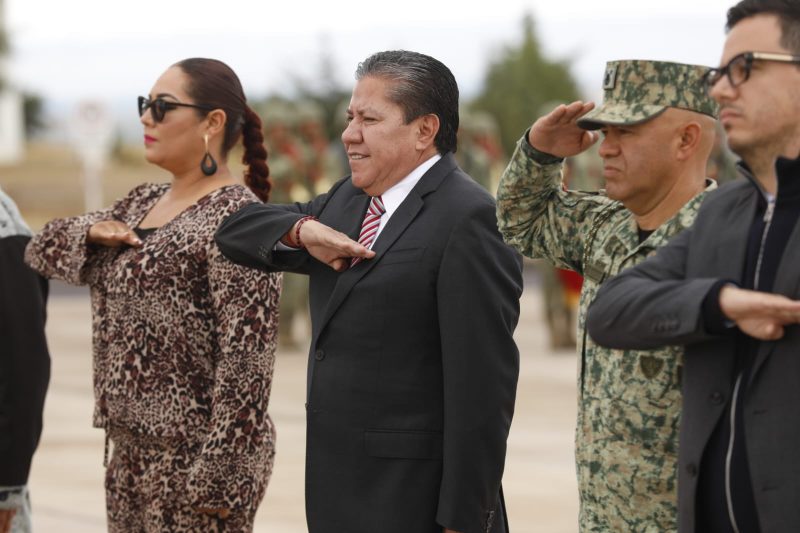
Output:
x=369 y=228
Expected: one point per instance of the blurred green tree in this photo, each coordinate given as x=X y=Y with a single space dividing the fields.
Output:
x=33 y=106
x=33 y=112
x=519 y=81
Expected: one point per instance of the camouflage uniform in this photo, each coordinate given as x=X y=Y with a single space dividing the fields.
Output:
x=480 y=154
x=629 y=400
x=288 y=172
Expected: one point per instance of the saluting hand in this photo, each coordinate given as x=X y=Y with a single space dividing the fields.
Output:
x=112 y=233
x=558 y=133
x=760 y=315
x=332 y=247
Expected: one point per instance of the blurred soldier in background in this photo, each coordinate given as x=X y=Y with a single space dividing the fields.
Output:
x=561 y=287
x=480 y=153
x=286 y=152
x=320 y=165
x=338 y=151
x=303 y=164
x=288 y=170
x=722 y=163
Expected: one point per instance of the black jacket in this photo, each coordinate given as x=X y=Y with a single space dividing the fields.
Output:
x=412 y=370
x=661 y=301
x=24 y=358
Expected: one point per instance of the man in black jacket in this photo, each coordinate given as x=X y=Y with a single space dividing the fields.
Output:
x=24 y=367
x=728 y=288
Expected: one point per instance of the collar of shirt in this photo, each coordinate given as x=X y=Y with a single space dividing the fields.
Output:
x=398 y=192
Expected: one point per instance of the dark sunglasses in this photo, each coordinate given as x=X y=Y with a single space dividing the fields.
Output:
x=159 y=107
x=738 y=69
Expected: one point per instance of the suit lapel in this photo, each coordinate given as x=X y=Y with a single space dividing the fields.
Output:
x=400 y=220
x=349 y=221
x=732 y=246
x=786 y=276
x=402 y=217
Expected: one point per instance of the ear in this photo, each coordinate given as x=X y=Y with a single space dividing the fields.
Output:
x=427 y=128
x=215 y=123
x=688 y=140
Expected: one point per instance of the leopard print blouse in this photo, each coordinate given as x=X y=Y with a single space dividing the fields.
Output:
x=183 y=339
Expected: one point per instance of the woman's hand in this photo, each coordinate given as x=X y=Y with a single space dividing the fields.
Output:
x=112 y=233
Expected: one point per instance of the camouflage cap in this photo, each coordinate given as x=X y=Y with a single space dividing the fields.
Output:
x=638 y=90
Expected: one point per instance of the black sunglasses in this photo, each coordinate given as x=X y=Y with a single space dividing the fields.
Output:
x=158 y=107
x=738 y=69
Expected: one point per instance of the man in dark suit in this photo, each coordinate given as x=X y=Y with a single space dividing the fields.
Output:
x=414 y=299
x=728 y=288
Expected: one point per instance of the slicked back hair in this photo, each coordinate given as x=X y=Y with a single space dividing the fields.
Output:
x=420 y=85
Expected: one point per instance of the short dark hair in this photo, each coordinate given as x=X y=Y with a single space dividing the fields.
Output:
x=787 y=11
x=421 y=85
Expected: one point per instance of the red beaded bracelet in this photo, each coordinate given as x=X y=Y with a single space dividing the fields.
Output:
x=299 y=224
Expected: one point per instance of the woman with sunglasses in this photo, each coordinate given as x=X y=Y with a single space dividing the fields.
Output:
x=184 y=340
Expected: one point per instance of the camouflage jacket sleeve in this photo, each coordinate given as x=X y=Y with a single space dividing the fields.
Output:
x=538 y=216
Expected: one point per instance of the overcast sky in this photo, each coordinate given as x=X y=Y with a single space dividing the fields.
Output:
x=113 y=50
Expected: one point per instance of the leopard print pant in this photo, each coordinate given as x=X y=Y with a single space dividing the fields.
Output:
x=146 y=489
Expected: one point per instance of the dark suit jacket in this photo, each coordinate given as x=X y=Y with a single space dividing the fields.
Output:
x=659 y=302
x=412 y=370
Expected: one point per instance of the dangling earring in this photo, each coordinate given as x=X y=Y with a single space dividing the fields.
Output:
x=208 y=165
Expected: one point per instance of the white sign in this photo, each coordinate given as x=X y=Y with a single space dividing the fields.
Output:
x=93 y=138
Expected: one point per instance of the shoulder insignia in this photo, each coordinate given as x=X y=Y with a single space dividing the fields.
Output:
x=650 y=365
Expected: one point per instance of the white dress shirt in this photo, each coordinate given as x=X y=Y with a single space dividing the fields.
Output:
x=398 y=192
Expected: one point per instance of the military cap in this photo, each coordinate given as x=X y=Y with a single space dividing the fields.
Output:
x=637 y=90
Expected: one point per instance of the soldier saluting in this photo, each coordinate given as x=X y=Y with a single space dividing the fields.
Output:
x=658 y=129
